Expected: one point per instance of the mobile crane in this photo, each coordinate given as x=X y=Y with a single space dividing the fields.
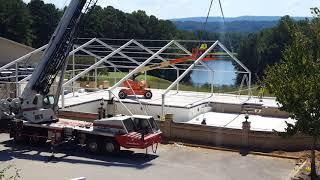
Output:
x=134 y=87
x=33 y=117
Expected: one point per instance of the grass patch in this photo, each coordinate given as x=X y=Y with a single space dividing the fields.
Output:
x=159 y=83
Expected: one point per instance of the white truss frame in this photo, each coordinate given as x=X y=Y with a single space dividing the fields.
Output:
x=119 y=50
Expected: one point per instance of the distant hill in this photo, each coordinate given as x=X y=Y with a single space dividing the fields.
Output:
x=231 y=19
x=242 y=24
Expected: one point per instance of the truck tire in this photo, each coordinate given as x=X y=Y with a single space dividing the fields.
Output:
x=111 y=146
x=20 y=139
x=148 y=94
x=38 y=140
x=93 y=145
x=122 y=94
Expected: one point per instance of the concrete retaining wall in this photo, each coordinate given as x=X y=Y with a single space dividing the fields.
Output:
x=217 y=136
x=237 y=108
x=226 y=108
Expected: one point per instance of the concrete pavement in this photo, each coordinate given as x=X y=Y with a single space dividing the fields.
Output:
x=171 y=162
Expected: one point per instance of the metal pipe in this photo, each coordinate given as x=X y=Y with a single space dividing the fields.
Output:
x=73 y=71
x=249 y=86
x=162 y=106
x=61 y=90
x=115 y=70
x=113 y=49
x=98 y=63
x=151 y=52
x=190 y=54
x=141 y=65
x=95 y=73
x=233 y=57
x=190 y=67
x=212 y=81
x=149 y=40
x=82 y=46
x=178 y=82
x=145 y=76
x=17 y=87
x=71 y=53
x=23 y=57
x=96 y=56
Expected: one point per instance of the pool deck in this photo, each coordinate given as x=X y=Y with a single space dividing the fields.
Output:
x=186 y=99
x=181 y=99
x=234 y=121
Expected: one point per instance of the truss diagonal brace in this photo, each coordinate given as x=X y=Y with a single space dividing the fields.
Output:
x=23 y=57
x=96 y=56
x=151 y=52
x=121 y=54
x=189 y=53
x=141 y=65
x=190 y=67
x=98 y=63
x=71 y=53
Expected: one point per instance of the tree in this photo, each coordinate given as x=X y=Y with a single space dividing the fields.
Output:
x=45 y=18
x=295 y=83
x=265 y=48
x=15 y=21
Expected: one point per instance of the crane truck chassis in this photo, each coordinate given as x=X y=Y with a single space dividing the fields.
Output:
x=32 y=117
x=102 y=136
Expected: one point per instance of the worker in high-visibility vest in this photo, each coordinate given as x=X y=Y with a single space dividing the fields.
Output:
x=202 y=49
x=203 y=46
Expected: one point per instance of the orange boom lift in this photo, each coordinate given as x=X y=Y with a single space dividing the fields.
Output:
x=134 y=87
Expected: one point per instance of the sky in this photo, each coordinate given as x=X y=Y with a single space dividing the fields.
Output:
x=169 y=9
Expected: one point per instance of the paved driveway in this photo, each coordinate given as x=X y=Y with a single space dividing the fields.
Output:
x=171 y=162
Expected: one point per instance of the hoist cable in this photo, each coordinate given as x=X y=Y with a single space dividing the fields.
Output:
x=205 y=24
x=224 y=24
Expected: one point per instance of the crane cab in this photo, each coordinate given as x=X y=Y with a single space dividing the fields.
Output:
x=40 y=110
x=135 y=131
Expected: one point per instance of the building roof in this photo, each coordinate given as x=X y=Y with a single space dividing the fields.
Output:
x=17 y=44
x=11 y=50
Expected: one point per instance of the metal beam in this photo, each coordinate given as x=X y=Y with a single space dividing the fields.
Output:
x=23 y=57
x=140 y=66
x=71 y=53
x=190 y=67
x=96 y=56
x=98 y=63
x=82 y=46
x=189 y=53
x=113 y=49
x=241 y=64
x=151 y=52
x=233 y=57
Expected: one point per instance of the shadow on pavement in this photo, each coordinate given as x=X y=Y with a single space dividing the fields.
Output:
x=75 y=155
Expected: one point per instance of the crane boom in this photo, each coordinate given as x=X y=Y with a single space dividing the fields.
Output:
x=36 y=105
x=58 y=48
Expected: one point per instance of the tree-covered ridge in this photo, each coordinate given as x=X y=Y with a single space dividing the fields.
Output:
x=232 y=26
x=265 y=48
x=33 y=23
